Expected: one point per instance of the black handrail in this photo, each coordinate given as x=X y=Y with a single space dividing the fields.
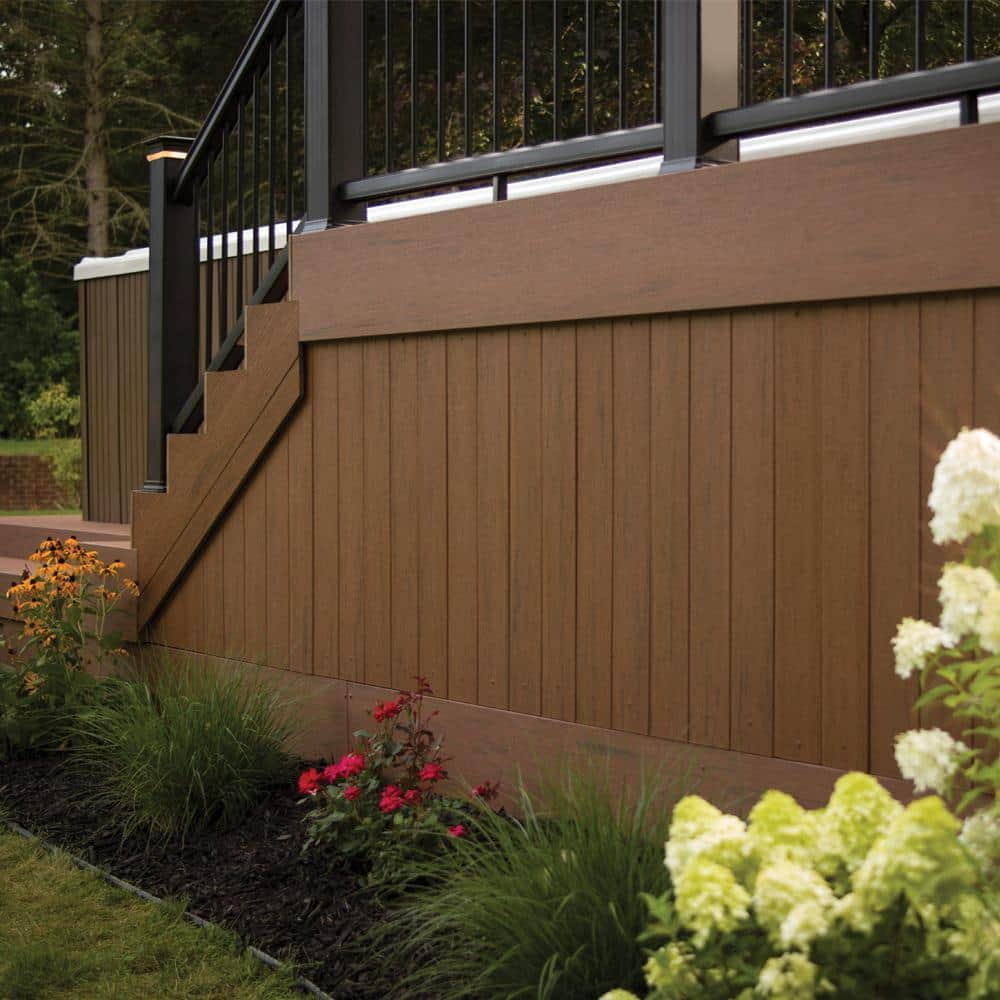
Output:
x=270 y=24
x=868 y=97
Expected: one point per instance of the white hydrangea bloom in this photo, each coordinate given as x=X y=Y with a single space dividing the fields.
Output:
x=988 y=623
x=793 y=903
x=980 y=836
x=928 y=758
x=965 y=495
x=914 y=641
x=965 y=591
x=790 y=976
x=698 y=830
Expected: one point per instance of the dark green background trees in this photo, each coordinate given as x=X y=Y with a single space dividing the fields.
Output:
x=82 y=84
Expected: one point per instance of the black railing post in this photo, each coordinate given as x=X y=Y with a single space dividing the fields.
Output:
x=680 y=80
x=334 y=64
x=173 y=302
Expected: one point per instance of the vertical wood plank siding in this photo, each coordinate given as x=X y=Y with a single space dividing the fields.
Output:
x=113 y=319
x=699 y=527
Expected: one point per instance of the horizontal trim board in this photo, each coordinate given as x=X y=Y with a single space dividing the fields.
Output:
x=498 y=744
x=910 y=215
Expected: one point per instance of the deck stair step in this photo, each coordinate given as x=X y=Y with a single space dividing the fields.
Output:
x=244 y=409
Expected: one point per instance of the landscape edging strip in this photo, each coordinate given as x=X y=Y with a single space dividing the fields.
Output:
x=262 y=956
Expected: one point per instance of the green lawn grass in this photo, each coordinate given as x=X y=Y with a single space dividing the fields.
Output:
x=17 y=446
x=66 y=934
x=40 y=513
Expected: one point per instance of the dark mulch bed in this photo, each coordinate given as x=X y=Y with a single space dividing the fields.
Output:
x=254 y=879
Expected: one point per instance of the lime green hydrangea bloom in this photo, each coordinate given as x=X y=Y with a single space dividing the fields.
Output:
x=670 y=972
x=699 y=830
x=709 y=898
x=858 y=812
x=920 y=857
x=789 y=977
x=793 y=903
x=977 y=940
x=618 y=995
x=780 y=828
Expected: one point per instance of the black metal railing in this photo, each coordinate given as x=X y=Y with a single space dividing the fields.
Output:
x=333 y=105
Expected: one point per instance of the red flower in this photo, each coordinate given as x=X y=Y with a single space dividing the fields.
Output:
x=386 y=710
x=352 y=792
x=331 y=773
x=309 y=781
x=413 y=797
x=487 y=791
x=456 y=831
x=351 y=764
x=432 y=772
x=391 y=800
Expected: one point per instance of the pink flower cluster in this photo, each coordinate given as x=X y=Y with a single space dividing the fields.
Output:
x=349 y=766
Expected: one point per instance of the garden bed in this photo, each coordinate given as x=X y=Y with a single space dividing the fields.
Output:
x=253 y=880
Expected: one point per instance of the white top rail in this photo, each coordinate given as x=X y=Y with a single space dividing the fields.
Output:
x=931 y=118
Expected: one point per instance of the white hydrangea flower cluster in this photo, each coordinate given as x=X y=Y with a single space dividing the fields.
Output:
x=965 y=494
x=980 y=836
x=914 y=641
x=802 y=875
x=929 y=758
x=964 y=591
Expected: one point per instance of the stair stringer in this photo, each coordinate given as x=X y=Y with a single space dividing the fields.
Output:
x=205 y=471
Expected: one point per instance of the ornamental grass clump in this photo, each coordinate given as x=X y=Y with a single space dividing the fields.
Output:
x=191 y=747
x=542 y=902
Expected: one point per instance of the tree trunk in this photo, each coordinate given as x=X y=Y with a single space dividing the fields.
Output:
x=95 y=153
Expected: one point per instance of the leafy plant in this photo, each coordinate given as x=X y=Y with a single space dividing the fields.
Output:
x=381 y=803
x=546 y=905
x=54 y=413
x=66 y=459
x=959 y=659
x=862 y=899
x=188 y=748
x=67 y=606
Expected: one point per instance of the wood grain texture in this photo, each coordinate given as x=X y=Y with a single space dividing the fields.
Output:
x=630 y=577
x=798 y=611
x=700 y=528
x=323 y=390
x=432 y=502
x=404 y=512
x=595 y=506
x=463 y=614
x=515 y=255
x=493 y=517
x=946 y=396
x=897 y=512
x=670 y=418
x=351 y=482
x=376 y=529
x=301 y=547
x=559 y=523
x=526 y=664
x=844 y=536
x=710 y=436
x=752 y=594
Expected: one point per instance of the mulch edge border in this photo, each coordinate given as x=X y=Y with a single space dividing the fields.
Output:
x=305 y=985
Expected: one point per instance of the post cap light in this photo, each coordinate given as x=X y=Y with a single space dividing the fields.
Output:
x=167 y=147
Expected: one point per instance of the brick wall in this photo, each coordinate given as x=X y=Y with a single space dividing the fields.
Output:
x=26 y=482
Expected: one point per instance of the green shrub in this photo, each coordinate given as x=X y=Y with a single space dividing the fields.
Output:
x=66 y=461
x=193 y=748
x=542 y=906
x=54 y=412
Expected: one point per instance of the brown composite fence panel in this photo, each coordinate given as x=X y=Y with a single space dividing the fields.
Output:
x=114 y=315
x=701 y=527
